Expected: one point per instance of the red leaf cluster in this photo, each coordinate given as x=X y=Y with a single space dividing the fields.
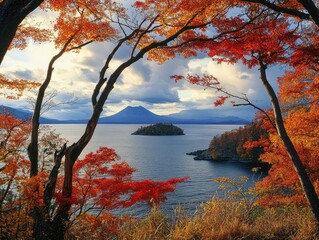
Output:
x=101 y=180
x=220 y=101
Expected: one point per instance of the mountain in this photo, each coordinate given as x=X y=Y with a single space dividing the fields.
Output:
x=140 y=115
x=136 y=115
x=25 y=114
x=209 y=116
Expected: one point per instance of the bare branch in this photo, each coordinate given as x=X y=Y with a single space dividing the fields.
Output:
x=102 y=78
x=243 y=98
x=148 y=29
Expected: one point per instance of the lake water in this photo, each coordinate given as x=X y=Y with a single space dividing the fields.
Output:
x=164 y=157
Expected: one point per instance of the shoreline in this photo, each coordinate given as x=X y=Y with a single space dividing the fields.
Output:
x=203 y=155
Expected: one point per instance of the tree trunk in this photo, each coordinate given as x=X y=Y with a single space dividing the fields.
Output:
x=61 y=217
x=311 y=8
x=304 y=179
x=41 y=214
x=73 y=152
x=12 y=13
x=59 y=223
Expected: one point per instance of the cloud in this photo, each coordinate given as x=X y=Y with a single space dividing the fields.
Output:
x=147 y=82
x=144 y=83
x=236 y=79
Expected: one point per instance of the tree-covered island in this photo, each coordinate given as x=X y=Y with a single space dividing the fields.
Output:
x=159 y=129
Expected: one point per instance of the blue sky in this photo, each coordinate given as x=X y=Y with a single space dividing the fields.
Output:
x=143 y=84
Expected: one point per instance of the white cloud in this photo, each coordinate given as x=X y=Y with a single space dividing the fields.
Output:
x=144 y=83
x=234 y=77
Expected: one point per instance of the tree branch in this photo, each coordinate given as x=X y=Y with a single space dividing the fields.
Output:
x=280 y=9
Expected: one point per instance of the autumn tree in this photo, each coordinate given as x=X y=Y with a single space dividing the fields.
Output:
x=302 y=78
x=101 y=183
x=155 y=29
x=175 y=37
x=157 y=32
x=270 y=40
x=16 y=195
x=231 y=145
x=162 y=30
x=298 y=94
x=13 y=135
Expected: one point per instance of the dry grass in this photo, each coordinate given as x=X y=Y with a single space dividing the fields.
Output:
x=156 y=226
x=222 y=219
x=236 y=216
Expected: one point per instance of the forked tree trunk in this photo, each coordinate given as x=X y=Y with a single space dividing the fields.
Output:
x=304 y=179
x=40 y=215
x=73 y=152
x=98 y=99
x=59 y=223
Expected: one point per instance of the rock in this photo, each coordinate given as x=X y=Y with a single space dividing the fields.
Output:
x=201 y=155
x=204 y=155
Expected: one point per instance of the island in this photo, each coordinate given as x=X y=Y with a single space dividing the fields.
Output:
x=159 y=129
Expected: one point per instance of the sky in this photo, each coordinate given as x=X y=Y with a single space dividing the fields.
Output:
x=145 y=83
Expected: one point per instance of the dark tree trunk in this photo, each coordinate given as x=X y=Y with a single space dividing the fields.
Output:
x=12 y=13
x=71 y=155
x=73 y=152
x=304 y=179
x=42 y=227
x=311 y=8
x=310 y=11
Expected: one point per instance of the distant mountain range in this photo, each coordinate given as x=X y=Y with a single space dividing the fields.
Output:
x=140 y=115
x=25 y=114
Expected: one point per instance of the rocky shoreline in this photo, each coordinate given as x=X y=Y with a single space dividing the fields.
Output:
x=201 y=155
x=204 y=155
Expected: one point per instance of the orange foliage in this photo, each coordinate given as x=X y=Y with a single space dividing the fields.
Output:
x=82 y=29
x=24 y=32
x=100 y=180
x=14 y=87
x=100 y=183
x=299 y=95
x=13 y=168
x=299 y=86
x=83 y=20
x=302 y=119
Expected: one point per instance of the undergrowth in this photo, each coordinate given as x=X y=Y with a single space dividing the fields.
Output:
x=236 y=215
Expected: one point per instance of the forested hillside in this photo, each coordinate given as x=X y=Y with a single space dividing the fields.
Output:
x=234 y=145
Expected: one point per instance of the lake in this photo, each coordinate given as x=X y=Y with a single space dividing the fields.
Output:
x=164 y=157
